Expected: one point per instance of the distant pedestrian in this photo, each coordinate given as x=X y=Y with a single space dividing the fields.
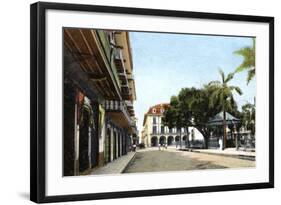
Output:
x=159 y=146
x=134 y=147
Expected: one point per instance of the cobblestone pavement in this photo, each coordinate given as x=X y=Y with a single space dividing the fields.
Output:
x=153 y=160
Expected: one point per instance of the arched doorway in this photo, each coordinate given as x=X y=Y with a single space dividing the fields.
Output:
x=170 y=140
x=129 y=142
x=154 y=141
x=85 y=136
x=162 y=140
x=119 y=144
x=114 y=145
x=184 y=139
x=107 y=151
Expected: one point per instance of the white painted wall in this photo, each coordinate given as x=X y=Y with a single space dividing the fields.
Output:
x=149 y=129
x=14 y=81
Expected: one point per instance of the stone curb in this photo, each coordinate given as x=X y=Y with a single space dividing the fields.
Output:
x=239 y=156
x=126 y=166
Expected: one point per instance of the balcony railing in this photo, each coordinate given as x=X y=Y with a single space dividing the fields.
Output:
x=129 y=103
x=107 y=50
x=130 y=76
x=118 y=106
x=119 y=61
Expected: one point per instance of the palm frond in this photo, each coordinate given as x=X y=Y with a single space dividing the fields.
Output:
x=222 y=75
x=229 y=77
x=215 y=82
x=251 y=74
x=213 y=98
x=237 y=89
x=249 y=60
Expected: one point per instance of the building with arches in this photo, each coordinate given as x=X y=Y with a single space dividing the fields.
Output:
x=155 y=133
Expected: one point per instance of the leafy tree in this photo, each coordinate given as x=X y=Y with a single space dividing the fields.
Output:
x=248 y=117
x=191 y=108
x=202 y=112
x=187 y=97
x=223 y=95
x=249 y=62
x=195 y=106
x=173 y=116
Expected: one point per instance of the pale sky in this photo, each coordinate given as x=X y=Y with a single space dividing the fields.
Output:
x=165 y=63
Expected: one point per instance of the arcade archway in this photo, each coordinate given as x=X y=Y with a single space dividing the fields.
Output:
x=170 y=140
x=162 y=140
x=154 y=141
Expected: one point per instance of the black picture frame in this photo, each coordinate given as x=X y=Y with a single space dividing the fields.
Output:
x=38 y=100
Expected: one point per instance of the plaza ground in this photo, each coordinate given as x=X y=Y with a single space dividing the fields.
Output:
x=171 y=159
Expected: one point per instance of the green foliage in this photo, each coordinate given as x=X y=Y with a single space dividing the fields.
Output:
x=195 y=106
x=248 y=117
x=173 y=117
x=249 y=61
x=222 y=93
x=87 y=115
x=223 y=96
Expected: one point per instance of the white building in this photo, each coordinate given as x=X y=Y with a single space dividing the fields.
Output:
x=154 y=132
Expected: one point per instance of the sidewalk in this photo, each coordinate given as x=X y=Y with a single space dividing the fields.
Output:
x=229 y=152
x=117 y=166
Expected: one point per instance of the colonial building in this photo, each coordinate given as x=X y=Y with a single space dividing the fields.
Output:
x=99 y=91
x=155 y=133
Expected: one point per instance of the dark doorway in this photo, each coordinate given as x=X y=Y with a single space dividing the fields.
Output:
x=84 y=139
x=107 y=150
x=162 y=140
x=170 y=140
x=154 y=142
x=119 y=144
x=114 y=145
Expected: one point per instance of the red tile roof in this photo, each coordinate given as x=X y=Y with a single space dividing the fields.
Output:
x=156 y=110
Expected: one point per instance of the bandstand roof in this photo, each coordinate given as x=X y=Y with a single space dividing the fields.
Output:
x=218 y=119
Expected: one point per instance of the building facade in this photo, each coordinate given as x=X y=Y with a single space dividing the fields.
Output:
x=99 y=92
x=155 y=133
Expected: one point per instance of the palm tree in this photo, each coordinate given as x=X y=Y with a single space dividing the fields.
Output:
x=249 y=62
x=223 y=95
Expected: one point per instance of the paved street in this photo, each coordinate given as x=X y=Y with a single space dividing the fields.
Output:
x=153 y=160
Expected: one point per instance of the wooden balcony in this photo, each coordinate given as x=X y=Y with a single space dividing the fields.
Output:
x=119 y=113
x=92 y=51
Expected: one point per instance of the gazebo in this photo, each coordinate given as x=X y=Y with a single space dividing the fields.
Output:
x=229 y=119
x=218 y=119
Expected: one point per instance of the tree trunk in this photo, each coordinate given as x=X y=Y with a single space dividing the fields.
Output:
x=205 y=135
x=237 y=138
x=236 y=141
x=206 y=142
x=187 y=138
x=180 y=140
x=224 y=131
